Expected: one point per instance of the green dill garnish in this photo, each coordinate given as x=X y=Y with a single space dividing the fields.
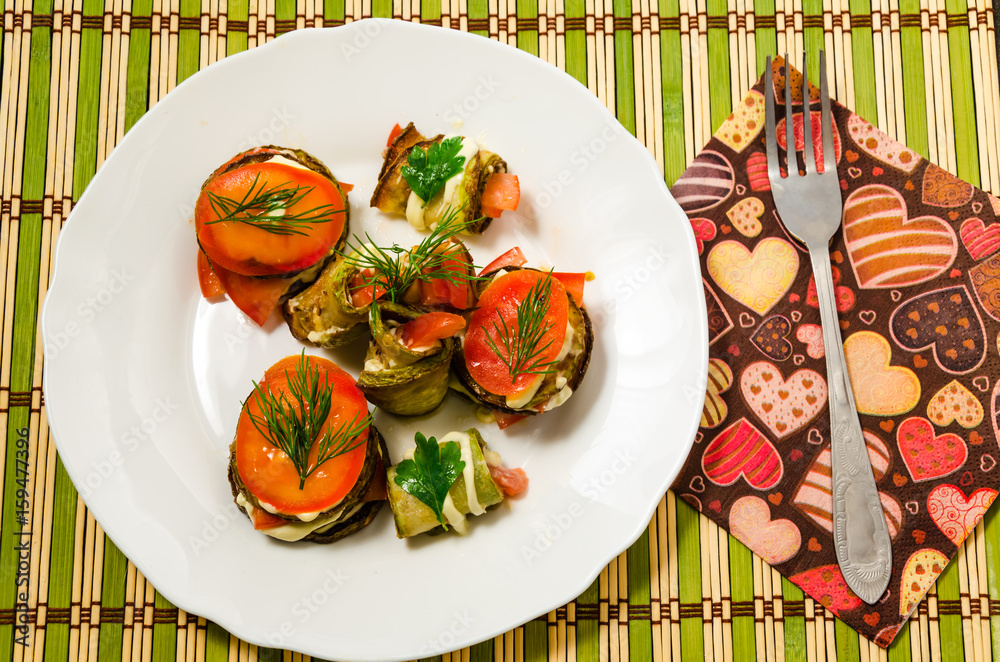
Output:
x=520 y=347
x=294 y=425
x=427 y=170
x=268 y=208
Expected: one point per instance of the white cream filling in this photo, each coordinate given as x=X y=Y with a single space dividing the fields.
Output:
x=293 y=531
x=468 y=473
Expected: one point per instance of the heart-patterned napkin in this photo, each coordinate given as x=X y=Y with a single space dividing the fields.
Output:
x=916 y=268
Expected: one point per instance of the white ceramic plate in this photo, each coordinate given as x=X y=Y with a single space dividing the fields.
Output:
x=144 y=379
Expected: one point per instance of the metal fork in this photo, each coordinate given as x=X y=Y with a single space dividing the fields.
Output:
x=810 y=206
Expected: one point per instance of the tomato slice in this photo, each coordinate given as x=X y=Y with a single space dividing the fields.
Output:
x=345 y=187
x=505 y=420
x=574 y=285
x=396 y=130
x=256 y=297
x=499 y=301
x=502 y=192
x=444 y=291
x=511 y=481
x=512 y=258
x=245 y=249
x=209 y=282
x=363 y=293
x=270 y=475
x=427 y=328
x=265 y=520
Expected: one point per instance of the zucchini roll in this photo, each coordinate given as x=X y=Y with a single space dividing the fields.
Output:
x=472 y=492
x=466 y=189
x=527 y=345
x=325 y=313
x=403 y=376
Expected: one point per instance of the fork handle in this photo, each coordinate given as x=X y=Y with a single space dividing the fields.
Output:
x=860 y=534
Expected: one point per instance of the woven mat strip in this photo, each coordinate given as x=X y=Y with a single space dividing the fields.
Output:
x=97 y=67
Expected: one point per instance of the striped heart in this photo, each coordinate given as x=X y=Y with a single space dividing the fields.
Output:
x=980 y=240
x=887 y=249
x=742 y=451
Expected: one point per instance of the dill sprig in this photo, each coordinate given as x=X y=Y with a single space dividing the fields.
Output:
x=520 y=347
x=294 y=425
x=396 y=269
x=268 y=208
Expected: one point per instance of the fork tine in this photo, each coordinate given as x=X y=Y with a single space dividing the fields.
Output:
x=791 y=155
x=808 y=153
x=824 y=97
x=770 y=135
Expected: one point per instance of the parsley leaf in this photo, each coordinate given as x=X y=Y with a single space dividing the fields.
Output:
x=431 y=473
x=428 y=170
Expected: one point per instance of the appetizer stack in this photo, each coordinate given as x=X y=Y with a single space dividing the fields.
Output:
x=307 y=462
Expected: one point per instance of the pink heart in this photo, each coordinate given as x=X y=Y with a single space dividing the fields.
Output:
x=927 y=456
x=980 y=240
x=773 y=540
x=955 y=514
x=783 y=405
x=742 y=451
x=704 y=230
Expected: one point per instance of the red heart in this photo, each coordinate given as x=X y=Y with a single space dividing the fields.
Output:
x=843 y=184
x=872 y=618
x=918 y=536
x=741 y=451
x=843 y=295
x=927 y=456
x=715 y=505
x=795 y=455
x=955 y=273
x=792 y=298
x=980 y=240
x=877 y=171
x=734 y=350
x=826 y=585
x=704 y=230
x=954 y=513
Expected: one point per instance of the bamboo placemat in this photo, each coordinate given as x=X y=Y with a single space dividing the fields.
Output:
x=77 y=74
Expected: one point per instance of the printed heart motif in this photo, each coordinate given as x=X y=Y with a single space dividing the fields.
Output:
x=887 y=425
x=966 y=479
x=741 y=451
x=708 y=181
x=814 y=436
x=726 y=229
x=742 y=126
x=698 y=437
x=954 y=402
x=816 y=125
x=943 y=189
x=953 y=215
x=980 y=240
x=876 y=171
x=771 y=338
x=985 y=278
x=796 y=315
x=881 y=146
x=851 y=156
x=896 y=295
x=745 y=216
x=880 y=389
x=720 y=378
x=784 y=406
x=746 y=321
x=872 y=619
x=697 y=484
x=812 y=336
x=692 y=501
x=899 y=479
x=757 y=172
x=945 y=320
x=719 y=321
x=734 y=350
x=987 y=463
x=773 y=540
x=854 y=172
x=793 y=298
x=982 y=382
x=975 y=438
x=814 y=545
x=827 y=586
x=995 y=203
x=909 y=185
x=795 y=455
x=954 y=513
x=775 y=498
x=704 y=230
x=954 y=273
x=919 y=574
x=919 y=362
x=867 y=316
x=926 y=456
x=740 y=189
x=912 y=507
x=919 y=536
x=715 y=505
x=758 y=280
x=887 y=248
x=977 y=207
x=798 y=359
x=843 y=296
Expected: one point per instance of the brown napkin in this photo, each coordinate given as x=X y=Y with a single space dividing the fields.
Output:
x=916 y=266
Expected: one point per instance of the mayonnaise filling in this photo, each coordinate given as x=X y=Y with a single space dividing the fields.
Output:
x=294 y=531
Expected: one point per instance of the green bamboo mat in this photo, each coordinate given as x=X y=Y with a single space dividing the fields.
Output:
x=77 y=74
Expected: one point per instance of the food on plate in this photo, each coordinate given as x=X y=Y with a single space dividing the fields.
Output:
x=439 y=483
x=527 y=346
x=307 y=463
x=407 y=365
x=331 y=312
x=425 y=179
x=267 y=222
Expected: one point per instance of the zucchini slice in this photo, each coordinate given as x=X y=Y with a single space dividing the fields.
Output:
x=397 y=379
x=413 y=517
x=323 y=314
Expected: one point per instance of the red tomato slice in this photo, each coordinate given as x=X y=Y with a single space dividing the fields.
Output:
x=512 y=258
x=502 y=192
x=511 y=481
x=256 y=297
x=396 y=130
x=271 y=476
x=361 y=293
x=245 y=249
x=505 y=420
x=573 y=284
x=441 y=291
x=207 y=279
x=501 y=299
x=265 y=520
x=347 y=188
x=427 y=328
